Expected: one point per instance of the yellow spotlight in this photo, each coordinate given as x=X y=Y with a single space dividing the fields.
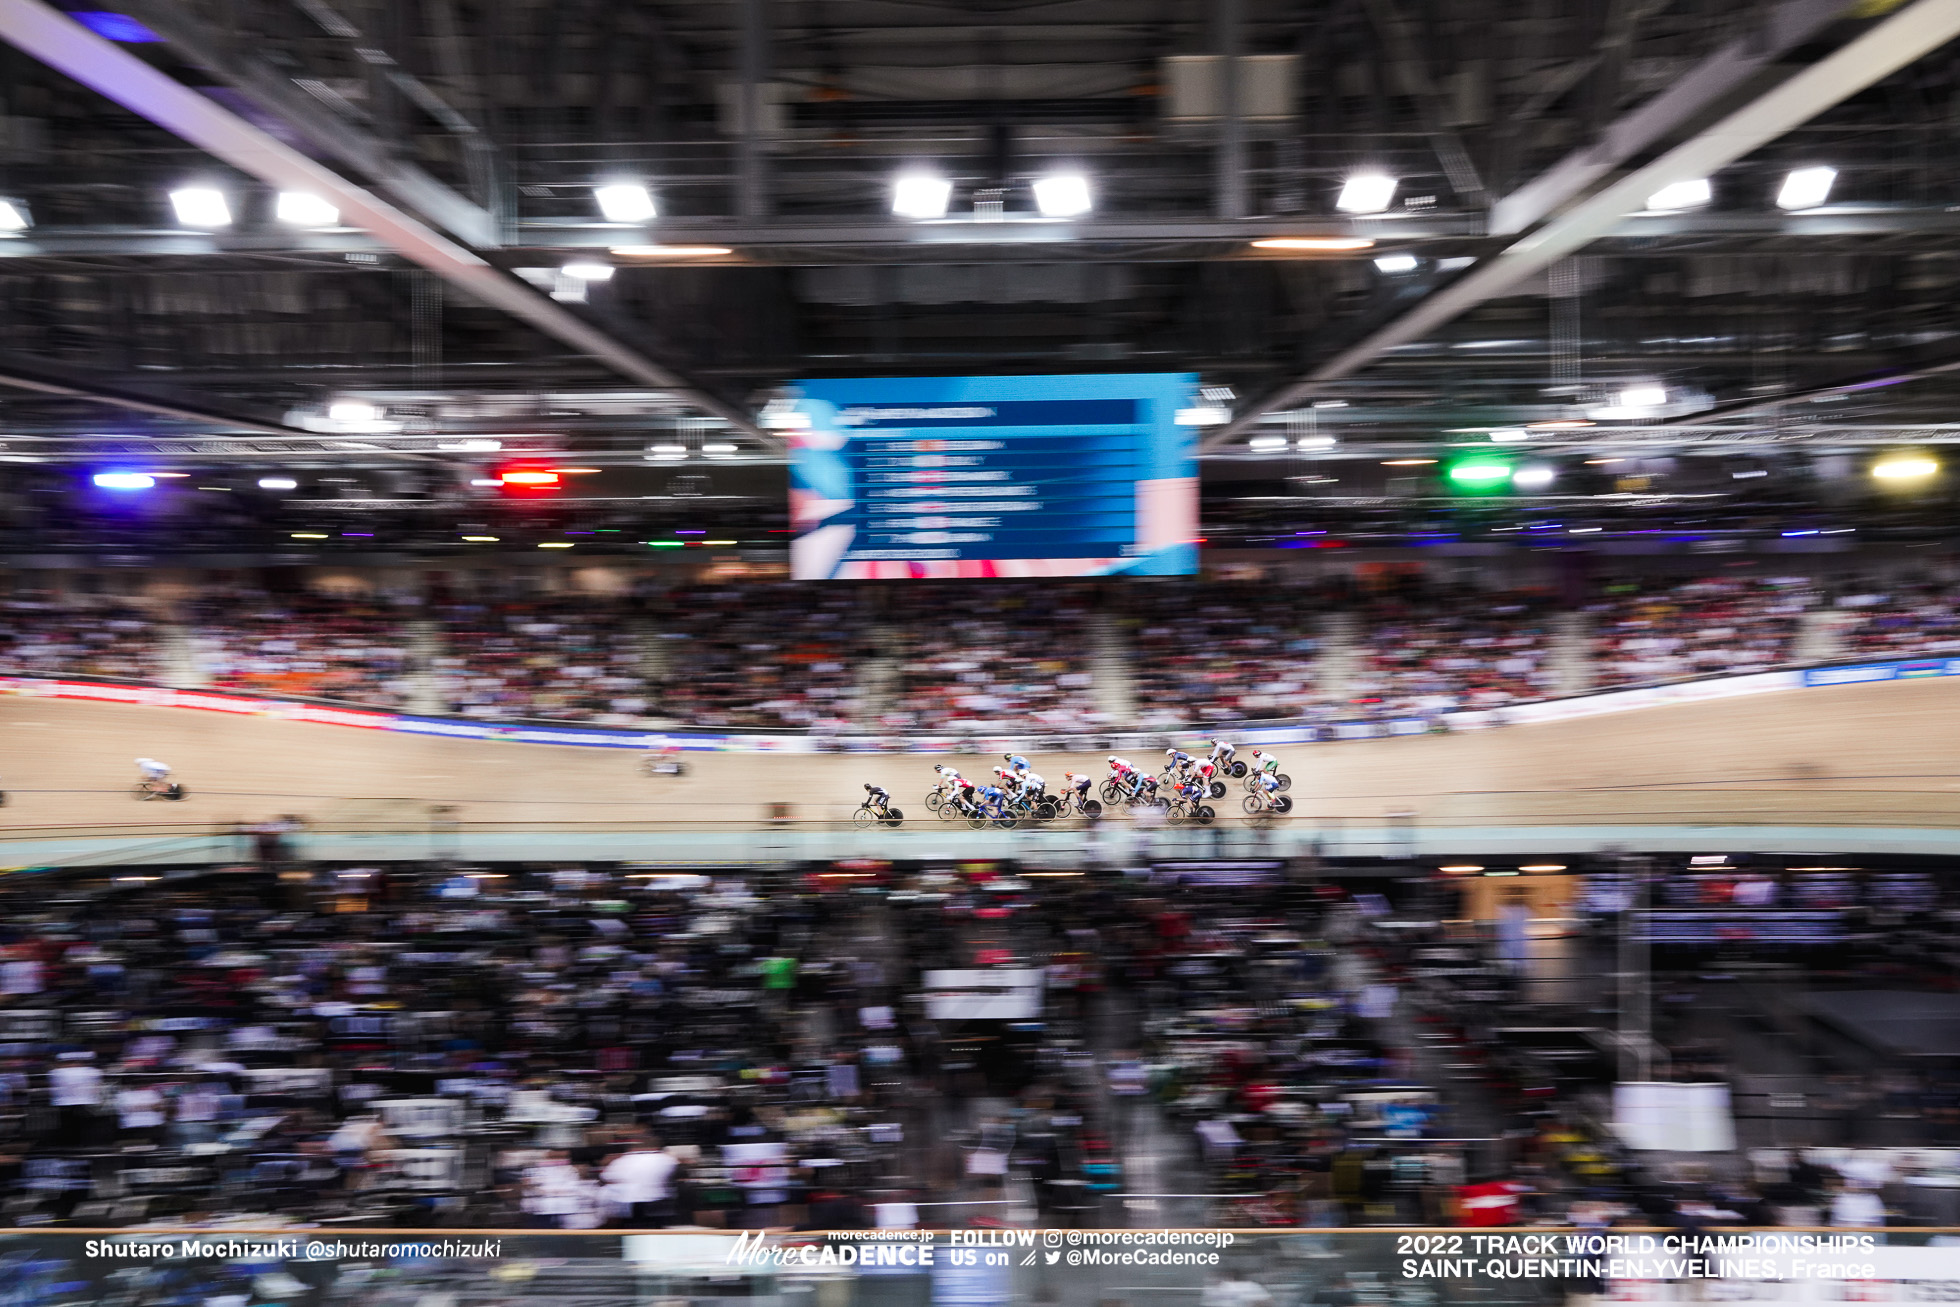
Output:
x=1905 y=467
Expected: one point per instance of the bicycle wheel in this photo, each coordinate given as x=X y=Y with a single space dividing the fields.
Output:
x=863 y=818
x=1218 y=789
x=1111 y=791
x=1007 y=822
x=1282 y=804
x=176 y=791
x=894 y=817
x=1049 y=810
x=933 y=799
x=977 y=820
x=1206 y=814
x=1238 y=768
x=141 y=791
x=950 y=812
x=1252 y=803
x=1092 y=810
x=1285 y=782
x=1176 y=814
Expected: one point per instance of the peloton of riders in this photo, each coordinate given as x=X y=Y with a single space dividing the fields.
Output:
x=1015 y=781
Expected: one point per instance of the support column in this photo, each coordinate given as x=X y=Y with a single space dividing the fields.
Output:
x=751 y=186
x=1229 y=188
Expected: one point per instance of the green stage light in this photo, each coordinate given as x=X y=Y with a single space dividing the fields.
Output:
x=1479 y=474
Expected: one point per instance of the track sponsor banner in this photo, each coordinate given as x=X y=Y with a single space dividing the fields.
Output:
x=983 y=737
x=1913 y=670
x=1652 y=696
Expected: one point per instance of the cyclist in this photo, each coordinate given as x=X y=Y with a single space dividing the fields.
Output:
x=1080 y=784
x=1267 y=788
x=1265 y=762
x=1032 y=784
x=1222 y=753
x=1016 y=761
x=156 y=775
x=876 y=798
x=1176 y=760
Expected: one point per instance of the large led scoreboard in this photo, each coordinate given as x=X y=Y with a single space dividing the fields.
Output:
x=926 y=477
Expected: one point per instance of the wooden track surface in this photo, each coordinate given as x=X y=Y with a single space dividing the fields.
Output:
x=1865 y=753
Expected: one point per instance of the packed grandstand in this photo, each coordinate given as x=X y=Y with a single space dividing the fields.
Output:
x=1056 y=658
x=572 y=1046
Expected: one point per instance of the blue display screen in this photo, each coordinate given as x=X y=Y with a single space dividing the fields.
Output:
x=927 y=477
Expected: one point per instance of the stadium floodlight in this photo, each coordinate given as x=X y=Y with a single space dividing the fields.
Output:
x=1806 y=188
x=921 y=195
x=1534 y=476
x=471 y=446
x=588 y=271
x=1509 y=435
x=1903 y=467
x=353 y=412
x=1643 y=397
x=1203 y=416
x=14 y=216
x=1396 y=263
x=1315 y=442
x=1366 y=192
x=200 y=206
x=298 y=209
x=624 y=202
x=124 y=480
x=278 y=483
x=1688 y=194
x=1266 y=444
x=720 y=448
x=1063 y=195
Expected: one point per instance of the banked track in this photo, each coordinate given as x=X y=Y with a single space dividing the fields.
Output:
x=1860 y=766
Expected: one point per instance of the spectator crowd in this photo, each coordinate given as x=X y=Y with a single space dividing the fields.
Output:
x=967 y=659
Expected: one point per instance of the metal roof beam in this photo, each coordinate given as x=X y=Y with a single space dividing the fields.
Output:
x=1694 y=93
x=1878 y=52
x=47 y=378
x=330 y=133
x=63 y=44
